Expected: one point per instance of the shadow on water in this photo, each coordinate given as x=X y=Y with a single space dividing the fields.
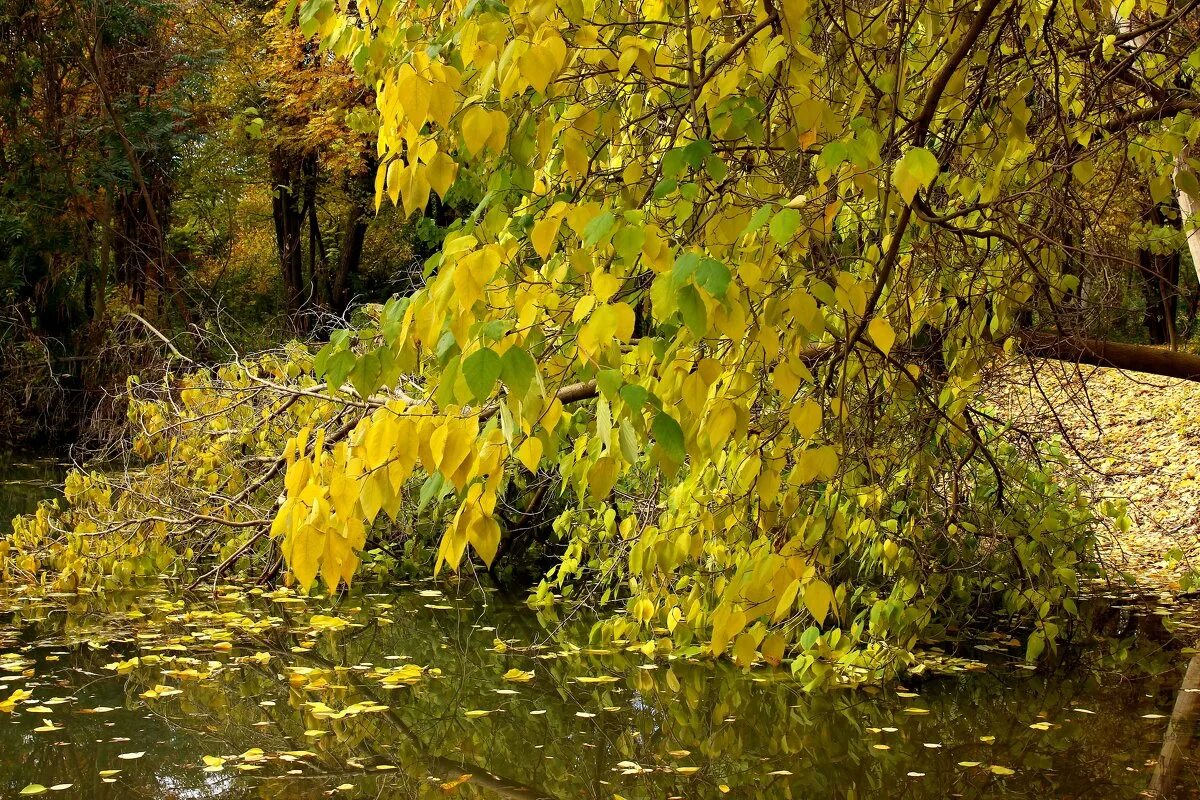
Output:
x=25 y=480
x=413 y=693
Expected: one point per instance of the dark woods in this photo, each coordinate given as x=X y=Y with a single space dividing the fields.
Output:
x=199 y=172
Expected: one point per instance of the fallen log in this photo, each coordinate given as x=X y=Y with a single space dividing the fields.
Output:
x=1103 y=353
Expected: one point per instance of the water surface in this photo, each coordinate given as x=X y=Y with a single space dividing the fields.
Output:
x=256 y=683
x=440 y=690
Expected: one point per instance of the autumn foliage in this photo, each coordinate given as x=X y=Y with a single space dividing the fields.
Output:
x=715 y=335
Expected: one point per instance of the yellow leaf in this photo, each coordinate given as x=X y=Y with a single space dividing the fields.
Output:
x=15 y=698
x=530 y=453
x=602 y=476
x=784 y=605
x=476 y=129
x=451 y=785
x=773 y=649
x=395 y=177
x=442 y=171
x=416 y=189
x=543 y=61
x=604 y=285
x=545 y=230
x=326 y=622
x=499 y=133
x=307 y=545
x=818 y=597
x=744 y=650
x=728 y=621
x=806 y=418
x=575 y=154
x=484 y=535
x=881 y=334
x=370 y=498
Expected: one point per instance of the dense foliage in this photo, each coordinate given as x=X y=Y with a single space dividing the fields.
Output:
x=711 y=343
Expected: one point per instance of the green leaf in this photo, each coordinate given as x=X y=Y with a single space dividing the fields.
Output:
x=444 y=394
x=518 y=370
x=596 y=230
x=365 y=375
x=609 y=381
x=481 y=370
x=634 y=396
x=810 y=636
x=628 y=242
x=1187 y=183
x=758 y=220
x=713 y=276
x=664 y=188
x=691 y=308
x=1035 y=646
x=446 y=348
x=914 y=171
x=684 y=268
x=673 y=163
x=1083 y=170
x=716 y=168
x=627 y=439
x=784 y=225
x=337 y=368
x=434 y=486
x=697 y=152
x=668 y=435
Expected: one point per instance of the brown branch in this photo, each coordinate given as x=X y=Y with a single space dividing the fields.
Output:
x=1154 y=113
x=1118 y=355
x=921 y=125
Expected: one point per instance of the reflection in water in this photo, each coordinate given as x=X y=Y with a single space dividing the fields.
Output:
x=412 y=694
x=1176 y=741
x=23 y=482
x=420 y=695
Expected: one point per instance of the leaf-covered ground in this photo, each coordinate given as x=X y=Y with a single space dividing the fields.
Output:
x=1136 y=438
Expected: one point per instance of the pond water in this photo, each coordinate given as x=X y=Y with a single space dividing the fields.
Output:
x=436 y=690
x=25 y=480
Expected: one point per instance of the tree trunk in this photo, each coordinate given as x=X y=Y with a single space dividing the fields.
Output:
x=285 y=208
x=360 y=191
x=1160 y=287
x=1173 y=754
x=1189 y=207
x=1160 y=290
x=354 y=233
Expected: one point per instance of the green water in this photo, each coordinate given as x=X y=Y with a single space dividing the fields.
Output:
x=249 y=679
x=557 y=735
x=24 y=480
